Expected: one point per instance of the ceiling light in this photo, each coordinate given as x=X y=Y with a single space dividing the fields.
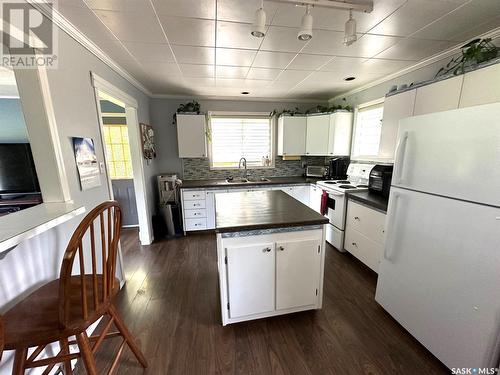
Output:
x=350 y=30
x=259 y=24
x=306 y=32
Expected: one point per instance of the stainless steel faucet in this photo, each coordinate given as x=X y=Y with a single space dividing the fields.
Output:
x=244 y=165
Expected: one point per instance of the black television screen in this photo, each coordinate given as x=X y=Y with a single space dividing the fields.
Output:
x=17 y=169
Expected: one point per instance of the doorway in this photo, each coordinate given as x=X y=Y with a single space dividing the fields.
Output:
x=117 y=112
x=118 y=157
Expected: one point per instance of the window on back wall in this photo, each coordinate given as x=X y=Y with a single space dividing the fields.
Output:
x=368 y=130
x=118 y=152
x=236 y=137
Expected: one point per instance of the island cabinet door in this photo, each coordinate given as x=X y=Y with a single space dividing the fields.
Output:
x=298 y=265
x=250 y=278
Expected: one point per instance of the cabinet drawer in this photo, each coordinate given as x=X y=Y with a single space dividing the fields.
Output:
x=192 y=195
x=367 y=251
x=196 y=224
x=366 y=220
x=195 y=214
x=194 y=205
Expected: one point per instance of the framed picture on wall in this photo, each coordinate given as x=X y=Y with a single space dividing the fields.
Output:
x=86 y=163
x=148 y=142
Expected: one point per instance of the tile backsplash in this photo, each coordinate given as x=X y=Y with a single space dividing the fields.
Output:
x=199 y=169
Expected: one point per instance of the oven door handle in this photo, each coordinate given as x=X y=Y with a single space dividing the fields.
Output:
x=336 y=194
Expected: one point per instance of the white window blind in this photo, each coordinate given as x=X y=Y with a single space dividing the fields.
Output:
x=368 y=130
x=235 y=137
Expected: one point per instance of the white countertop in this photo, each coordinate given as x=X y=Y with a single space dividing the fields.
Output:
x=25 y=224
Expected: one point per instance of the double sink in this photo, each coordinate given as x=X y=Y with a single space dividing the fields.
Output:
x=240 y=180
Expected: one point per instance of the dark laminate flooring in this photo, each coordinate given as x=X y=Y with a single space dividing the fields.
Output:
x=171 y=304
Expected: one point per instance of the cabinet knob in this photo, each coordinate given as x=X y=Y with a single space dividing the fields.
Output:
x=354 y=244
x=356 y=218
x=281 y=248
x=266 y=250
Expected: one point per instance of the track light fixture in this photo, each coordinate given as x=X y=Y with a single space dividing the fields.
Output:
x=259 y=24
x=350 y=35
x=306 y=32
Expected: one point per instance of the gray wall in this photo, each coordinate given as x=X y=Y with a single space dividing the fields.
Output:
x=12 y=125
x=162 y=110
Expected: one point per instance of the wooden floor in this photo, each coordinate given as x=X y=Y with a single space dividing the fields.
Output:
x=171 y=304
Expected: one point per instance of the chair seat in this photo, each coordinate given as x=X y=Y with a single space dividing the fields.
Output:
x=35 y=320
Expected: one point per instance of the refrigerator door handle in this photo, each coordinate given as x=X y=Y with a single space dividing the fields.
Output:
x=390 y=231
x=400 y=157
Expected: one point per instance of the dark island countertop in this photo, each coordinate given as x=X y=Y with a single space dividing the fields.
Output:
x=202 y=184
x=368 y=198
x=243 y=211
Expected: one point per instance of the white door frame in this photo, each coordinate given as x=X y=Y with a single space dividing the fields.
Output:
x=131 y=105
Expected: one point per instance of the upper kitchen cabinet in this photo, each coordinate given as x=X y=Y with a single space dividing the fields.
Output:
x=440 y=96
x=191 y=136
x=481 y=86
x=396 y=107
x=318 y=128
x=339 y=136
x=292 y=135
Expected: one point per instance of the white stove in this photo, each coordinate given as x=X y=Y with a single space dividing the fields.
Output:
x=357 y=180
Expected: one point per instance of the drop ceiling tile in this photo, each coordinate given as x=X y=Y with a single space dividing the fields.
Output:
x=236 y=57
x=412 y=16
x=194 y=55
x=479 y=29
x=128 y=27
x=87 y=23
x=231 y=71
x=115 y=50
x=153 y=52
x=236 y=35
x=197 y=71
x=186 y=8
x=189 y=31
x=334 y=19
x=290 y=78
x=384 y=66
x=241 y=84
x=119 y=5
x=343 y=65
x=165 y=70
x=414 y=49
x=243 y=10
x=308 y=62
x=282 y=39
x=455 y=25
x=278 y=60
x=199 y=82
x=263 y=73
x=331 y=43
x=71 y=3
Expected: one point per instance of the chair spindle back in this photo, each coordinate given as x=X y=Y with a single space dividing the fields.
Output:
x=95 y=288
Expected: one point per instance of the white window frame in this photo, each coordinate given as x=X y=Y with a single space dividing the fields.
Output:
x=272 y=122
x=355 y=119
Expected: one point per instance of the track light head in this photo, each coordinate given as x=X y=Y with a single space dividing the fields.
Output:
x=306 y=26
x=259 y=24
x=350 y=35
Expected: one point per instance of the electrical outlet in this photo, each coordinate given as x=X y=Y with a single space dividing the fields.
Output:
x=102 y=167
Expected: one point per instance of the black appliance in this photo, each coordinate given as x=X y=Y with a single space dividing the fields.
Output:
x=337 y=168
x=380 y=179
x=17 y=170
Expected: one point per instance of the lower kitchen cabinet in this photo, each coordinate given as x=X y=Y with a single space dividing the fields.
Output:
x=315 y=193
x=364 y=233
x=250 y=278
x=300 y=257
x=270 y=274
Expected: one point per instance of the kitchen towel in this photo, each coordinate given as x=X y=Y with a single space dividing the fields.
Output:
x=324 y=200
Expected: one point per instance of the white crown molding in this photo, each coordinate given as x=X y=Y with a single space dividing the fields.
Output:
x=66 y=26
x=437 y=57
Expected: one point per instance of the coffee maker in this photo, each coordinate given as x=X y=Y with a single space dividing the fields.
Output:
x=337 y=168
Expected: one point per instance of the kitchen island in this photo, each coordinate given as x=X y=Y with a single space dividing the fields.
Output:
x=270 y=253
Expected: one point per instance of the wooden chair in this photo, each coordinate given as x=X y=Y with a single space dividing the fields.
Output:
x=1 y=337
x=68 y=306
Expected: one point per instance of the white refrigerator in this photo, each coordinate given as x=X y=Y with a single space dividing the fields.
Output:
x=440 y=272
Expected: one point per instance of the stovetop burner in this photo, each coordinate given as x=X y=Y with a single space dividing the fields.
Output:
x=347 y=187
x=361 y=186
x=330 y=182
x=344 y=182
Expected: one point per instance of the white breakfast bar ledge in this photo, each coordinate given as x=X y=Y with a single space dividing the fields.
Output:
x=270 y=255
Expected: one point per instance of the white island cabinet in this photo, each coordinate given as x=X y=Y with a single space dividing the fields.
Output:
x=270 y=259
